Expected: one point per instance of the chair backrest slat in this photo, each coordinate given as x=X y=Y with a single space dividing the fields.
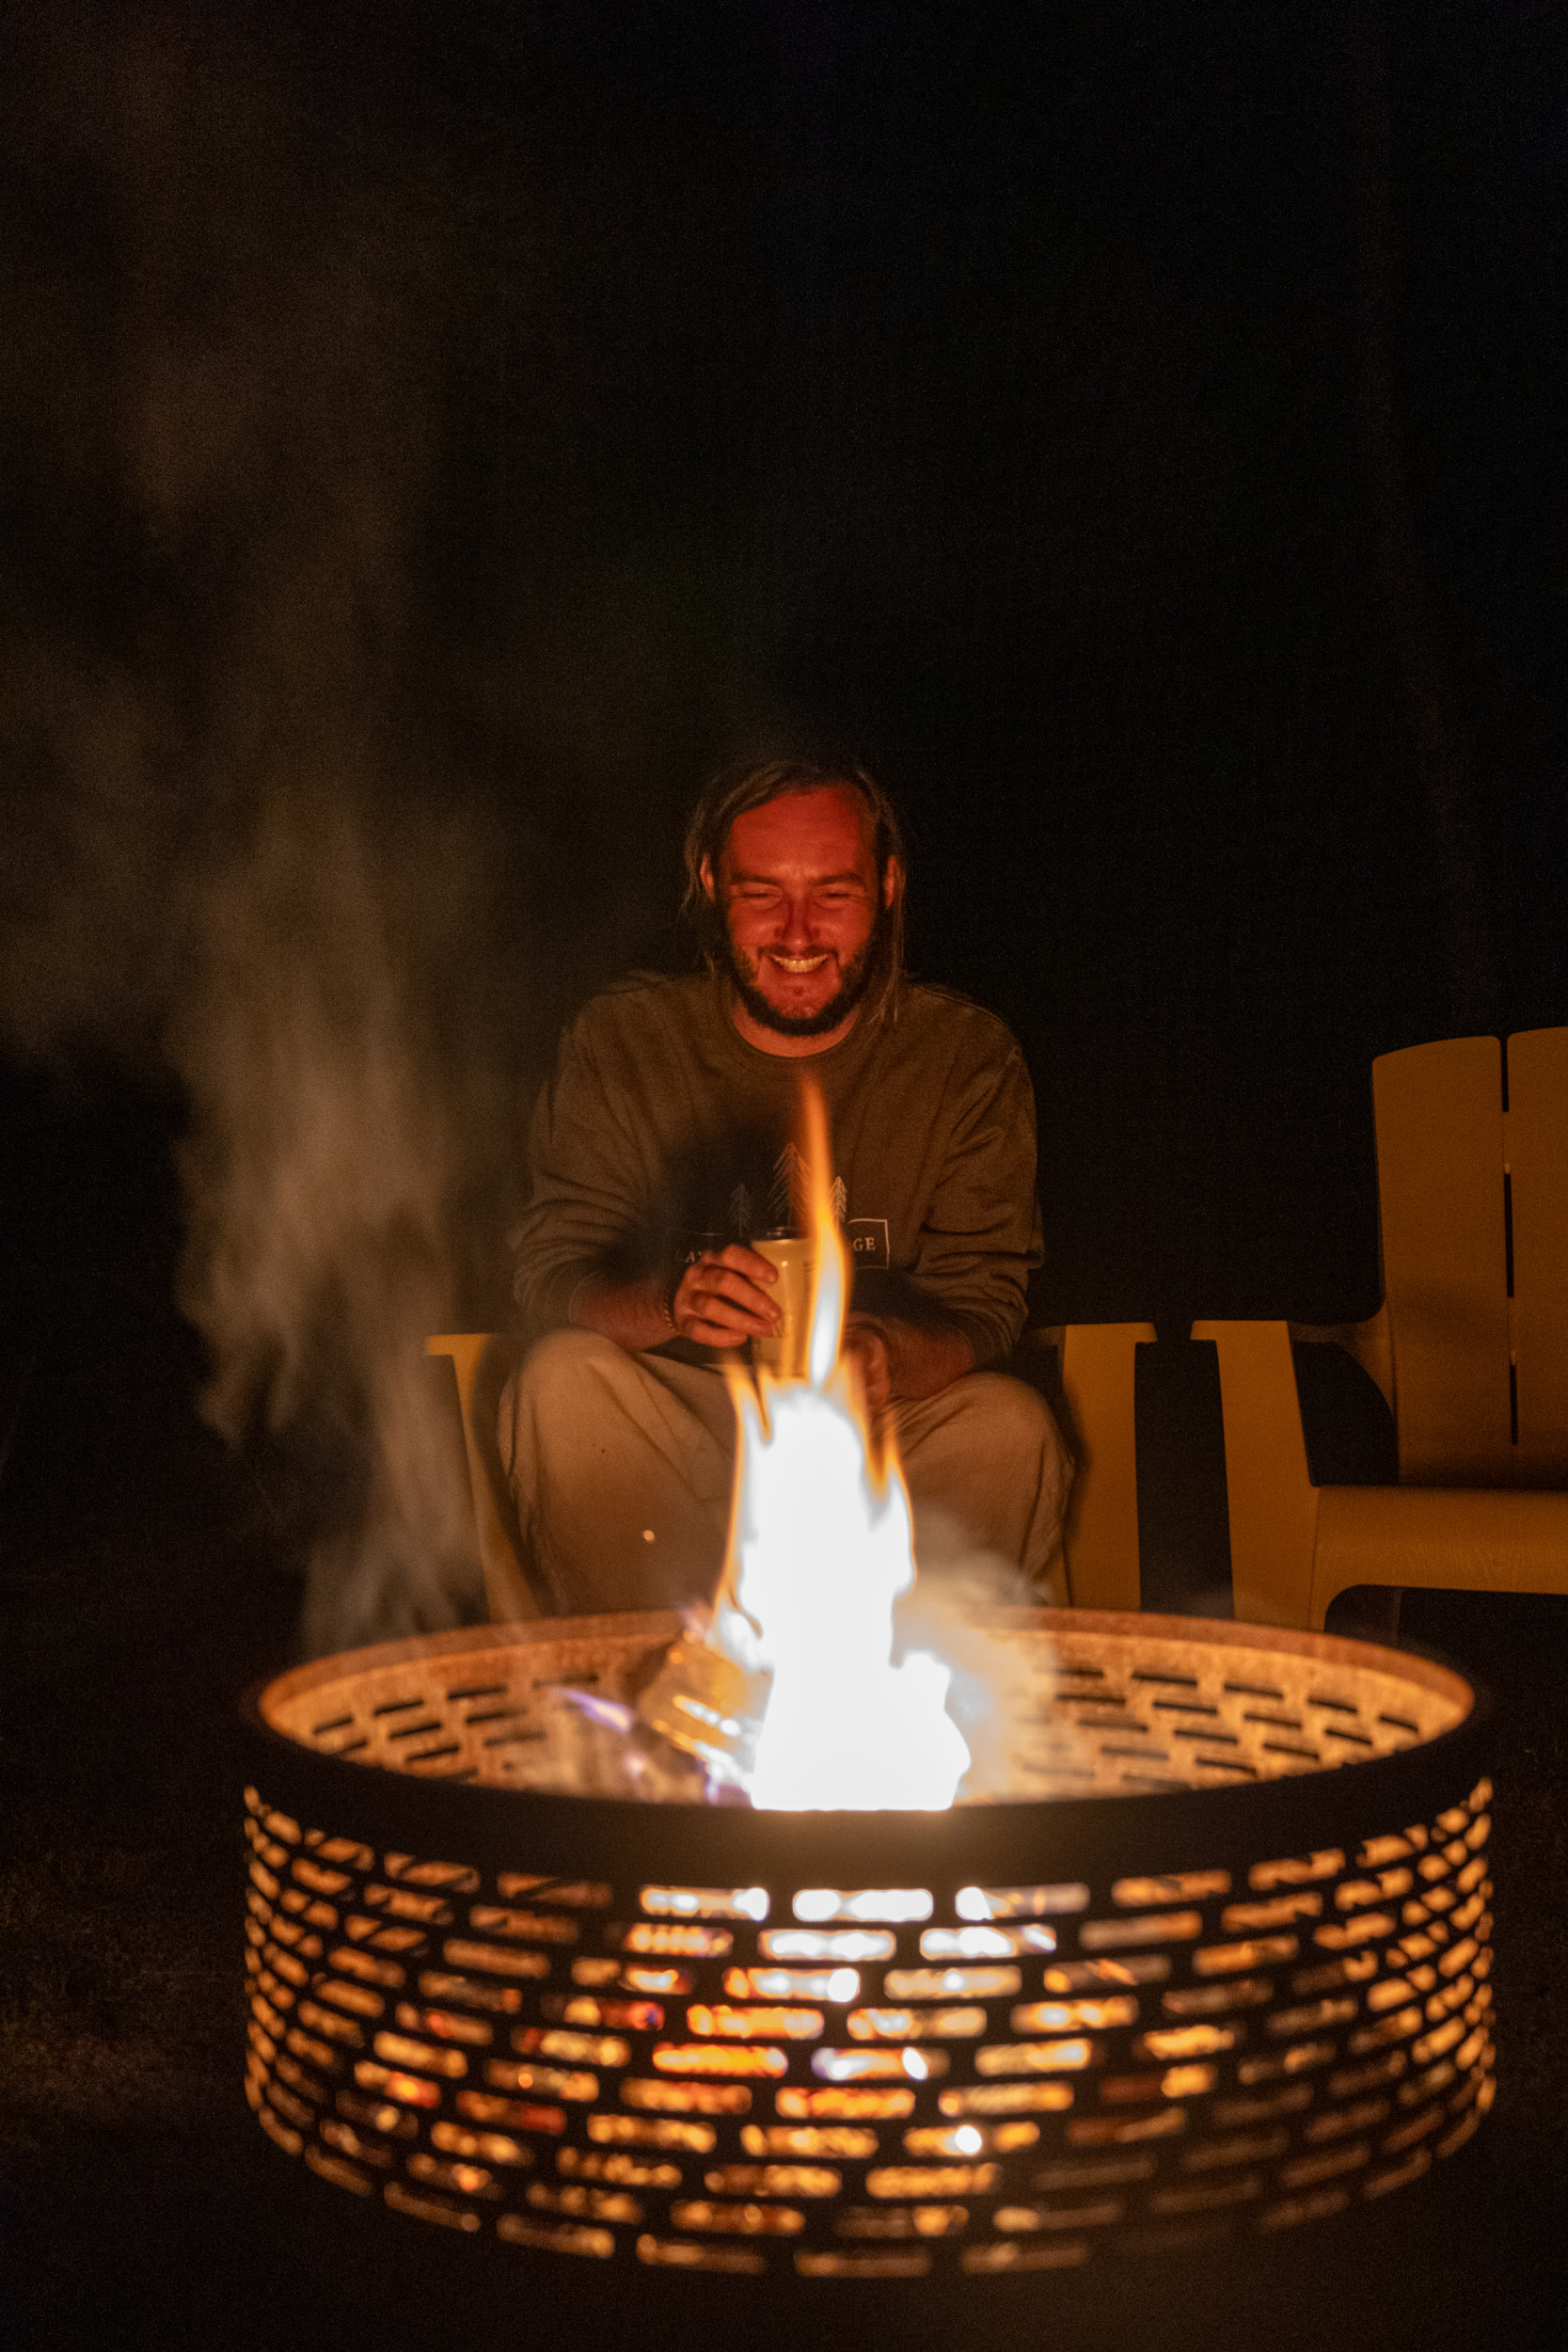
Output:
x=1438 y=1111
x=1101 y=1532
x=1537 y=1142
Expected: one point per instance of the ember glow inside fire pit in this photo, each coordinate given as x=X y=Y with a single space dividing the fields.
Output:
x=1221 y=1965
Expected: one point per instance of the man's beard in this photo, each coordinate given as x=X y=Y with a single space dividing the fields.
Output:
x=854 y=980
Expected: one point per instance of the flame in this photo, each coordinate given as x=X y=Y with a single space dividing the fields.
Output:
x=821 y=1549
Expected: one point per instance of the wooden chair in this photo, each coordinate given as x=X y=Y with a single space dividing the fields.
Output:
x=1294 y=1547
x=1101 y=1539
x=1470 y=1346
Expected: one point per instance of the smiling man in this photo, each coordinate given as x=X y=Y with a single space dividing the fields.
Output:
x=663 y=1147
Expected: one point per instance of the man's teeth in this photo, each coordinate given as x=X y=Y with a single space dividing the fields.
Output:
x=798 y=963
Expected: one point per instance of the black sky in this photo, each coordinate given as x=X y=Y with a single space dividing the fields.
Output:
x=985 y=396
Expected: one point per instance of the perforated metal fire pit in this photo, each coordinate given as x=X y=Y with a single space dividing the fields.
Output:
x=1224 y=1968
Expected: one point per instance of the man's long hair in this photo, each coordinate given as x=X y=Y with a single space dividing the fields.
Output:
x=734 y=792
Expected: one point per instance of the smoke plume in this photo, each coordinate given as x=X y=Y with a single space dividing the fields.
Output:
x=229 y=849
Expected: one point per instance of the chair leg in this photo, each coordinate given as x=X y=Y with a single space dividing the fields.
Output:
x=1272 y=1502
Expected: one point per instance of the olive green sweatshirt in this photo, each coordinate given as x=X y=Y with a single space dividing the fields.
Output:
x=663 y=1132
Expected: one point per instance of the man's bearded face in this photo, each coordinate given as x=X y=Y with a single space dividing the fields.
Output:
x=806 y=920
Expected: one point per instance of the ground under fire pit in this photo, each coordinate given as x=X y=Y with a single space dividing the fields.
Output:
x=1235 y=1980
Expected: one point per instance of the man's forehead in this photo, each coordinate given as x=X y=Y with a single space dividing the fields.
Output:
x=827 y=830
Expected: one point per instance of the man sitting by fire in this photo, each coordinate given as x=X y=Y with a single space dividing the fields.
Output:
x=663 y=1147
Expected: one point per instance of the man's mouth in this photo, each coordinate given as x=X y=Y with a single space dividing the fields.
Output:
x=796 y=966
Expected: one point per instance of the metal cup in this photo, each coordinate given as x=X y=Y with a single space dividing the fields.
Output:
x=786 y=1354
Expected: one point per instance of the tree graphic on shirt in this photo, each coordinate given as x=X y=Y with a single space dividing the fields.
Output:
x=786 y=1202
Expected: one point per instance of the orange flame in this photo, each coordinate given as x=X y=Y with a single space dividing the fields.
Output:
x=821 y=1549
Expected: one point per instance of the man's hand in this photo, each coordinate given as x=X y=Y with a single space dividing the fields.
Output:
x=723 y=1299
x=865 y=1346
x=903 y=1360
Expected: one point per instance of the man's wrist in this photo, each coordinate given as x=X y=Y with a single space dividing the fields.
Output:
x=635 y=1315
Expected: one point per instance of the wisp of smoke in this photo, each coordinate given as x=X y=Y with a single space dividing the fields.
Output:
x=219 y=853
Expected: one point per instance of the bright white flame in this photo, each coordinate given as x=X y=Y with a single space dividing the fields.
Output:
x=821 y=1549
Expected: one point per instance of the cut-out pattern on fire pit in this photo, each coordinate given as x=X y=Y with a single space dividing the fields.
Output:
x=1086 y=1711
x=876 y=2080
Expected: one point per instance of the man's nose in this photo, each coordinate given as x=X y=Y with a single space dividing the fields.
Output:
x=796 y=926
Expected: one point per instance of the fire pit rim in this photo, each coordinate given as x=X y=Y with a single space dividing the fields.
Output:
x=1176 y=1829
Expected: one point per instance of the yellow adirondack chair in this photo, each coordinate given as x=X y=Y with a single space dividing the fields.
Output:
x=506 y=1583
x=1294 y=1547
x=1469 y=1348
x=1101 y=1539
x=1101 y=1535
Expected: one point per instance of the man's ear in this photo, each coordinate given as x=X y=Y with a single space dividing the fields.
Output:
x=705 y=875
x=893 y=882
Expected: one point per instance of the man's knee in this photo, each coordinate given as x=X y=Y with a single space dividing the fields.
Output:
x=554 y=1382
x=564 y=1359
x=1002 y=1416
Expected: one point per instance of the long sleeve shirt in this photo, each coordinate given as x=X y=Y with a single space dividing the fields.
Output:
x=664 y=1133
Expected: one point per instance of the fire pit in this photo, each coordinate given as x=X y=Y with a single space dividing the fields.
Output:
x=1220 y=1965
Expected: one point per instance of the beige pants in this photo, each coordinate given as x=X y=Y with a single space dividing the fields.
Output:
x=621 y=1466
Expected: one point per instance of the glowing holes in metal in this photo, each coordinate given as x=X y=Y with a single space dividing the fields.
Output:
x=584 y=2202
x=686 y=2098
x=680 y=1943
x=1184 y=1886
x=637 y=2131
x=551 y=2082
x=742 y=2220
x=1024 y=2098
x=1296 y=1871
x=1016 y=2254
x=534 y=1927
x=682 y=2254
x=842 y=2140
x=985 y=1943
x=1262 y=1951
x=708 y=1902
x=801 y=2105
x=1373 y=2062
x=1035 y=2057
x=838 y=1985
x=773 y=2180
x=407 y=2090
x=1157 y=1927
x=846 y=1946
x=1019 y=1903
x=737 y=2023
x=935 y=1984
x=1078 y=1976
x=623 y=2170
x=564 y=2237
x=970 y=2140
x=852 y=2066
x=710 y=2057
x=575 y=1894
x=1083 y=2016
x=916 y=2025
x=893 y=1905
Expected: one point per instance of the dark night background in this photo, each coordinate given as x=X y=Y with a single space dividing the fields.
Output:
x=1137 y=434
